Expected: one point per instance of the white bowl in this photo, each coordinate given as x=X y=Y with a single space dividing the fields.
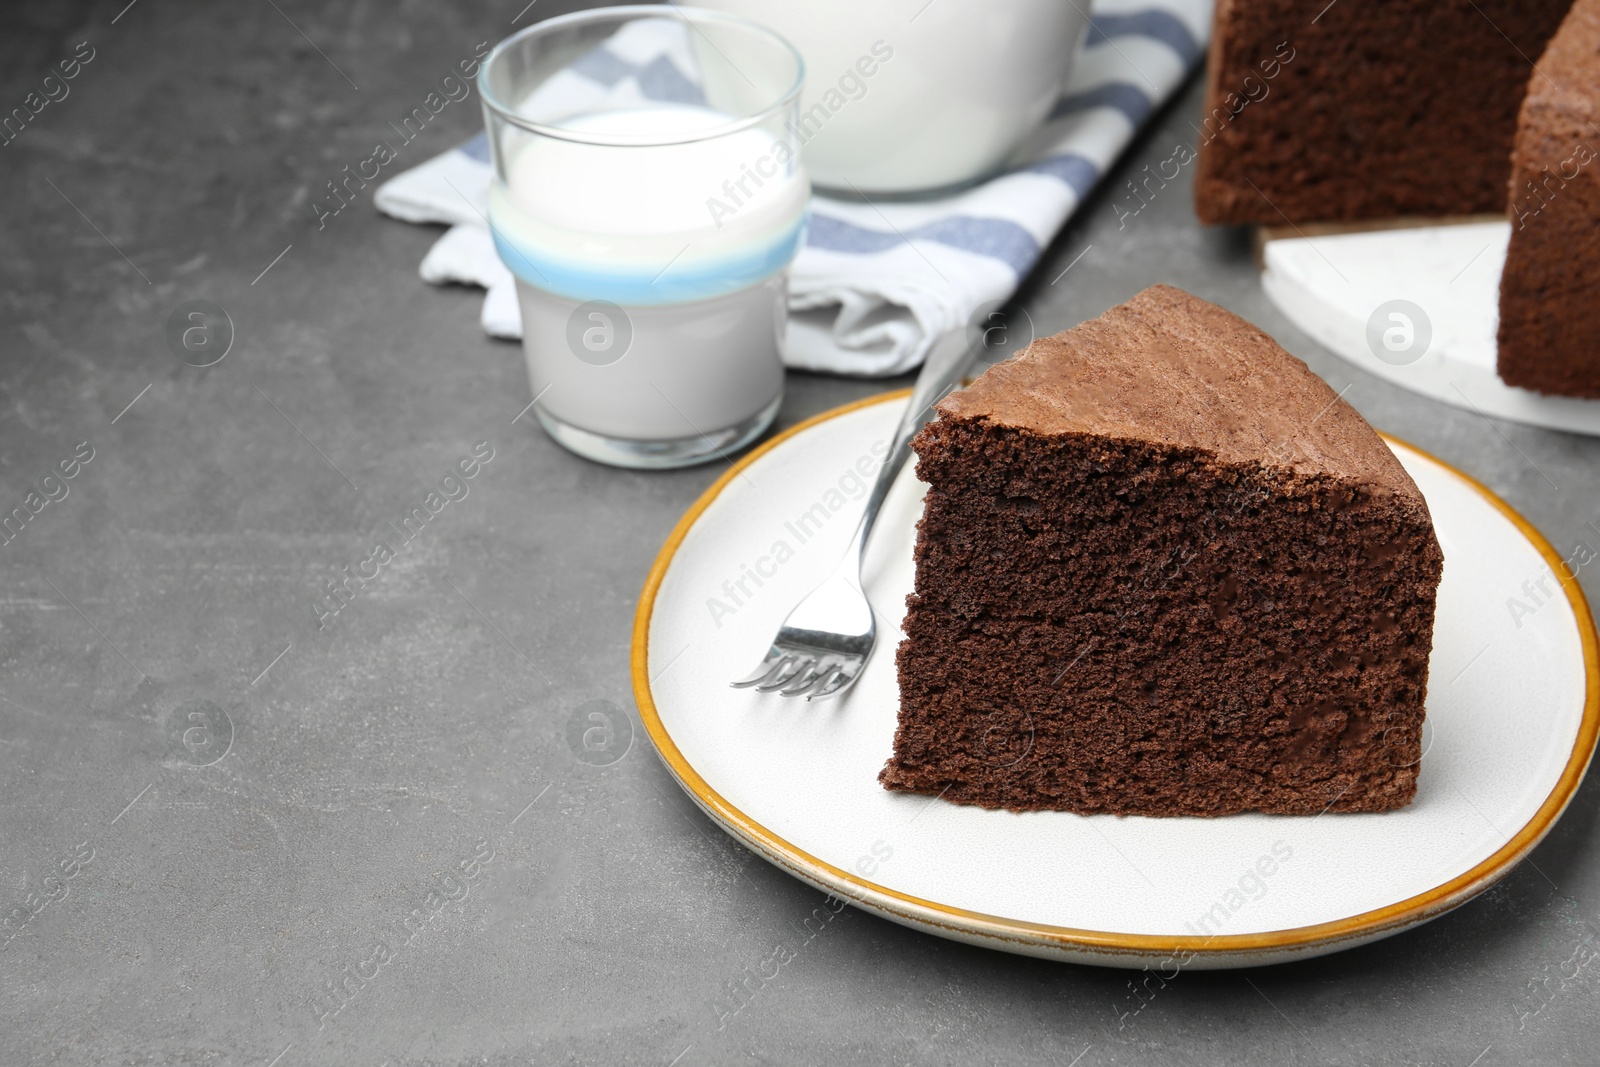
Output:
x=910 y=95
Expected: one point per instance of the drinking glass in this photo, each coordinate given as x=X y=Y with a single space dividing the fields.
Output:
x=648 y=196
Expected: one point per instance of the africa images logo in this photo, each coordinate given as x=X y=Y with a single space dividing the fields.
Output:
x=1399 y=332
x=599 y=333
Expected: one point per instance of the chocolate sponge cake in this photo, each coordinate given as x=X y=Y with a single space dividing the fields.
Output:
x=1405 y=107
x=1550 y=289
x=1162 y=569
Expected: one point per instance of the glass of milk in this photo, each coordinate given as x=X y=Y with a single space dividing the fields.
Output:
x=648 y=196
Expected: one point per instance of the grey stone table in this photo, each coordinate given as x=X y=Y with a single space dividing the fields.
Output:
x=238 y=799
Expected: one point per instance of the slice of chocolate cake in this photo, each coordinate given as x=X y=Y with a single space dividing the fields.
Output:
x=1550 y=290
x=1319 y=111
x=1162 y=569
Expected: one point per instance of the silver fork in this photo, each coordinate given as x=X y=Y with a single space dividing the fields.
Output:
x=823 y=644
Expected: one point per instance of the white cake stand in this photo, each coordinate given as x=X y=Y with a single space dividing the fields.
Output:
x=1345 y=288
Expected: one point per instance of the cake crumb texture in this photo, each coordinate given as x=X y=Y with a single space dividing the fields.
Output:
x=1163 y=569
x=1549 y=329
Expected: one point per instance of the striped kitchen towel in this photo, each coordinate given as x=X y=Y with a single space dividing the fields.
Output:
x=875 y=284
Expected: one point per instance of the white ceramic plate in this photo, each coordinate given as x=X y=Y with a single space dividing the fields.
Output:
x=1331 y=285
x=1512 y=708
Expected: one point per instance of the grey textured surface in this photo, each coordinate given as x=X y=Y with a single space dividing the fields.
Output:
x=433 y=712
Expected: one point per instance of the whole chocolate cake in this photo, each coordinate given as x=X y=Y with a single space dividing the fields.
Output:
x=1162 y=569
x=1550 y=289
x=1320 y=112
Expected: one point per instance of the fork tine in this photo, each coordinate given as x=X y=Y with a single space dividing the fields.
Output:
x=783 y=676
x=837 y=679
x=806 y=682
x=769 y=662
x=814 y=684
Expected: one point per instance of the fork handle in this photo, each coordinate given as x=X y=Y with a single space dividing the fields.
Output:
x=940 y=371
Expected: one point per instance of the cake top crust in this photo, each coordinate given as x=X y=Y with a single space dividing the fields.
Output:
x=1173 y=370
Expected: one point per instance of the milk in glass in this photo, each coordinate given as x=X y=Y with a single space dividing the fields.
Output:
x=652 y=276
